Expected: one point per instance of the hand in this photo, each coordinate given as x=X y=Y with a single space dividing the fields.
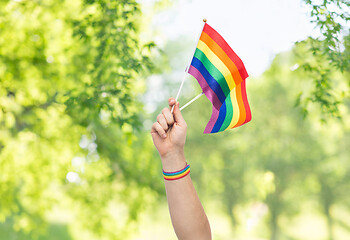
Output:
x=169 y=132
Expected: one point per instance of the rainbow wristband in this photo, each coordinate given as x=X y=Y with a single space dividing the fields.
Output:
x=178 y=174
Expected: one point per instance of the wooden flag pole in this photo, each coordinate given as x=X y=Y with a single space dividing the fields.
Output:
x=183 y=80
x=193 y=99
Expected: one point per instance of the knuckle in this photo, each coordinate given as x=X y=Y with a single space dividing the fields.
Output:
x=165 y=110
x=159 y=116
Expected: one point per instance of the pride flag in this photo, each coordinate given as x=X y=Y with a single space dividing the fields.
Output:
x=221 y=75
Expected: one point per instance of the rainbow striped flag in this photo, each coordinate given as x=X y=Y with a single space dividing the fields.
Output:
x=221 y=75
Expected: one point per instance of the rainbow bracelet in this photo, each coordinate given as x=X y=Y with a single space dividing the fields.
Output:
x=178 y=174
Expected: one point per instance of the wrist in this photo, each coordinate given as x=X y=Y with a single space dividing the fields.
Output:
x=173 y=161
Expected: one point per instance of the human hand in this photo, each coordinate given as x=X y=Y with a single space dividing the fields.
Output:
x=169 y=132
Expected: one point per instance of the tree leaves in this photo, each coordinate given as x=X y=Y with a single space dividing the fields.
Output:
x=70 y=71
x=332 y=18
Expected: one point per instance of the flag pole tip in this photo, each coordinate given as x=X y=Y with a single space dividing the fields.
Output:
x=204 y=20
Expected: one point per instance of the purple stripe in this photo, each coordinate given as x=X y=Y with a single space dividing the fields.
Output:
x=212 y=121
x=209 y=93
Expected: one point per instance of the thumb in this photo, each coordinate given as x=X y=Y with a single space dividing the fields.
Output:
x=178 y=116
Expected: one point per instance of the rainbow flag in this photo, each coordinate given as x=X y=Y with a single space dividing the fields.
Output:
x=221 y=75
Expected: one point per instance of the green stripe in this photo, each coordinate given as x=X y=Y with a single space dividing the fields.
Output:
x=214 y=72
x=229 y=113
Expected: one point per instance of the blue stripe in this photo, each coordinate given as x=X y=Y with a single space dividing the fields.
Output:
x=213 y=84
x=176 y=173
x=221 y=119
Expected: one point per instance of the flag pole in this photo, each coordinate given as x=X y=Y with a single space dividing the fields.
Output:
x=193 y=99
x=184 y=78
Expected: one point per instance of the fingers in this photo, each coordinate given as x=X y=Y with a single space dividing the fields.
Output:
x=162 y=122
x=168 y=116
x=171 y=102
x=178 y=116
x=176 y=112
x=156 y=127
x=166 y=119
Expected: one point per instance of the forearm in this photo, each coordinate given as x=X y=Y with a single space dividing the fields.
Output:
x=187 y=214
x=186 y=211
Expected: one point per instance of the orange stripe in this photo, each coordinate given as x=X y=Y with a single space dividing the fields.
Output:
x=223 y=56
x=242 y=113
x=246 y=104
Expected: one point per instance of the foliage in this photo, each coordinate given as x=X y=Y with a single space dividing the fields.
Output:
x=332 y=51
x=70 y=74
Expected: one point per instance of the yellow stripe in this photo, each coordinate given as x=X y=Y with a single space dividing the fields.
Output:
x=176 y=176
x=235 y=117
x=215 y=60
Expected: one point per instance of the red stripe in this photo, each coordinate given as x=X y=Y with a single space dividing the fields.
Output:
x=228 y=50
x=246 y=104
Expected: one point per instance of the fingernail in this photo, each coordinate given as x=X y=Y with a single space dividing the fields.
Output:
x=164 y=135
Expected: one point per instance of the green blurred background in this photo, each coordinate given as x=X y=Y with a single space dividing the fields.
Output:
x=80 y=85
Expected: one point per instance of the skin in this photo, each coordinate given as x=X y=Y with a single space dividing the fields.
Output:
x=186 y=211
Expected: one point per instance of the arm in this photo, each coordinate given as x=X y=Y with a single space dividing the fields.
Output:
x=187 y=214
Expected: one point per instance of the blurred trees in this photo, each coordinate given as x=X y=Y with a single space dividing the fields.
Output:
x=285 y=147
x=333 y=173
x=331 y=52
x=297 y=152
x=70 y=74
